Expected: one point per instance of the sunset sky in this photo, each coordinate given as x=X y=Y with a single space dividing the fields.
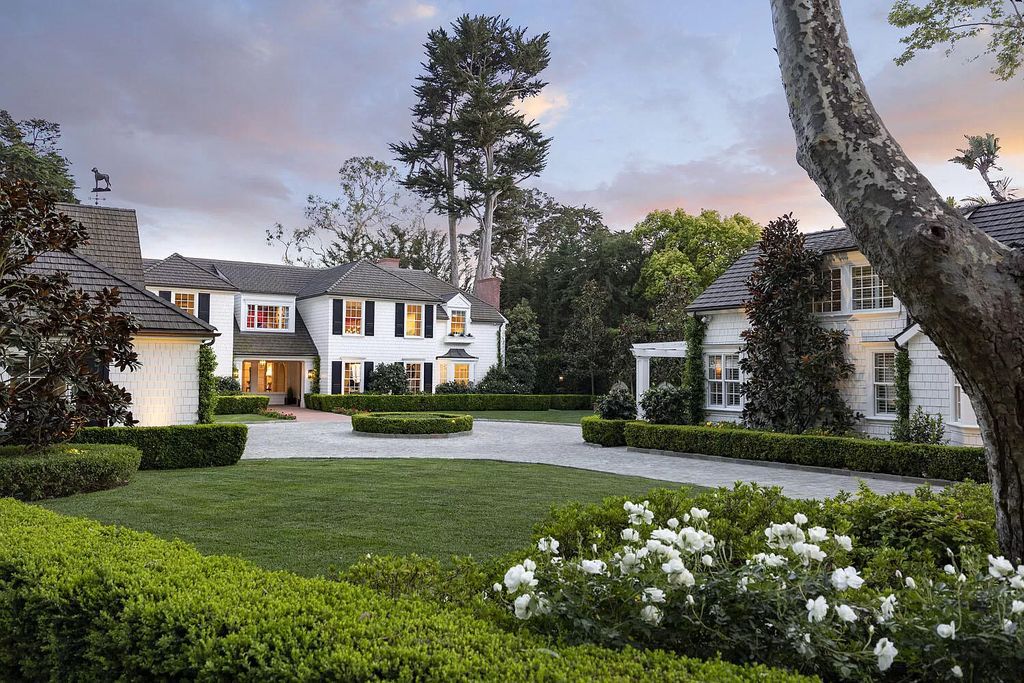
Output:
x=216 y=119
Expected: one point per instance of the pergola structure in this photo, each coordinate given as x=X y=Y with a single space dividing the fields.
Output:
x=643 y=354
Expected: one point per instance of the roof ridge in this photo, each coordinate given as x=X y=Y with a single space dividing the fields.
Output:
x=263 y=263
x=388 y=271
x=217 y=274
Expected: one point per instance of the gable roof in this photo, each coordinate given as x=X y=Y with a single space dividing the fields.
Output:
x=259 y=278
x=175 y=269
x=362 y=278
x=113 y=238
x=1003 y=221
x=444 y=291
x=275 y=344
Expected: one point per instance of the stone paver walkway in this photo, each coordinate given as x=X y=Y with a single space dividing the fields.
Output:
x=307 y=415
x=547 y=444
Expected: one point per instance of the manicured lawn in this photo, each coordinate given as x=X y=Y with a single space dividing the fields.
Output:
x=306 y=515
x=244 y=417
x=554 y=416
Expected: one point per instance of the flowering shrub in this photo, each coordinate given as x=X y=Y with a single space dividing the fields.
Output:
x=617 y=404
x=798 y=602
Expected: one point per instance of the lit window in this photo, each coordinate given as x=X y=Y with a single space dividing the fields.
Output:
x=723 y=380
x=461 y=373
x=963 y=411
x=186 y=302
x=442 y=373
x=353 y=317
x=264 y=376
x=869 y=292
x=832 y=302
x=885 y=383
x=352 y=378
x=260 y=317
x=458 y=321
x=414 y=320
x=414 y=377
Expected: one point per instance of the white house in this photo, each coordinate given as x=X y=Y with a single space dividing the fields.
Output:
x=859 y=303
x=275 y=321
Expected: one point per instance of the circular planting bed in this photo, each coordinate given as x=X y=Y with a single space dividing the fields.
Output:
x=412 y=425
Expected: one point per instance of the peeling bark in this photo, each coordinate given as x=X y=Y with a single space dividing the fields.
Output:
x=964 y=288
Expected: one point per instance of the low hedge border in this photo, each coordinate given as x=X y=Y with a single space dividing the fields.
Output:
x=953 y=463
x=65 y=470
x=176 y=446
x=128 y=606
x=411 y=423
x=604 y=432
x=447 y=402
x=240 y=404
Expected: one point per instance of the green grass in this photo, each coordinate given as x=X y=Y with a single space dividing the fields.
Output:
x=554 y=416
x=307 y=515
x=244 y=417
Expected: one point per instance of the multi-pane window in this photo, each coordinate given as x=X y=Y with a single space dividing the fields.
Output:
x=869 y=292
x=414 y=377
x=723 y=379
x=186 y=302
x=832 y=301
x=414 y=320
x=458 y=322
x=963 y=411
x=260 y=317
x=352 y=378
x=353 y=317
x=884 y=380
x=264 y=376
x=461 y=373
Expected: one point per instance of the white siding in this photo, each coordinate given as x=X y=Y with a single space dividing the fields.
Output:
x=222 y=313
x=165 y=390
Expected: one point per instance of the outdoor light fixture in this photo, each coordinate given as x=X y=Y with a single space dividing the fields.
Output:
x=310 y=374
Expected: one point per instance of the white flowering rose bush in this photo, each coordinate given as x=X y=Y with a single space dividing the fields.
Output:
x=797 y=603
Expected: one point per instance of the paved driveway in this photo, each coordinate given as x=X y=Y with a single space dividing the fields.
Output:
x=541 y=443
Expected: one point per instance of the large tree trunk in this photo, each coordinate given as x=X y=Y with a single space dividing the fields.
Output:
x=964 y=288
x=453 y=221
x=483 y=254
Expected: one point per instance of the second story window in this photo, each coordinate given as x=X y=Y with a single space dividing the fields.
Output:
x=414 y=320
x=186 y=302
x=353 y=317
x=262 y=317
x=458 y=322
x=832 y=300
x=869 y=292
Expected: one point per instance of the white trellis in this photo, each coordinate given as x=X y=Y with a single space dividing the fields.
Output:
x=643 y=353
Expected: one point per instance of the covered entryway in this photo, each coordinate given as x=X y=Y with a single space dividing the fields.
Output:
x=282 y=380
x=643 y=353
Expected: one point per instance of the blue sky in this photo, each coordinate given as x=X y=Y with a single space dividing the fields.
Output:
x=216 y=119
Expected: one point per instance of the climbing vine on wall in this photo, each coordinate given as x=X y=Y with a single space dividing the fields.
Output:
x=693 y=369
x=207 y=384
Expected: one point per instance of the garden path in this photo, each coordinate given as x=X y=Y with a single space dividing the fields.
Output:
x=547 y=444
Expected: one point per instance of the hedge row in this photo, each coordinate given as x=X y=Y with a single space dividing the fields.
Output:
x=604 y=432
x=955 y=463
x=448 y=402
x=128 y=606
x=411 y=423
x=177 y=446
x=241 y=404
x=65 y=470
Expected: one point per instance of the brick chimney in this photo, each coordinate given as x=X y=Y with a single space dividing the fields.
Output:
x=388 y=263
x=489 y=290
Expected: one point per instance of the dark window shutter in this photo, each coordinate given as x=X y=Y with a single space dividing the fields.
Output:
x=338 y=316
x=368 y=318
x=165 y=294
x=399 y=320
x=367 y=373
x=335 y=376
x=428 y=378
x=428 y=321
x=204 y=307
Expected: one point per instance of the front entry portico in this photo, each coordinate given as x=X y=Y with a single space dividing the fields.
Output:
x=643 y=353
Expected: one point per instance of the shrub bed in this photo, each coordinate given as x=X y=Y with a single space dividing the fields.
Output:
x=65 y=470
x=176 y=446
x=126 y=605
x=446 y=402
x=241 y=403
x=955 y=463
x=604 y=432
x=411 y=423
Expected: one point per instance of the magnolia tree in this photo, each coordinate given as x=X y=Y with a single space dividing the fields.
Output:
x=964 y=288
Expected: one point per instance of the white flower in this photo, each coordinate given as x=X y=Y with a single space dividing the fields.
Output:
x=770 y=559
x=999 y=566
x=888 y=607
x=817 y=609
x=911 y=584
x=846 y=613
x=957 y=671
x=784 y=535
x=962 y=578
x=844 y=542
x=651 y=615
x=1009 y=628
x=1017 y=606
x=678 y=574
x=522 y=606
x=742 y=584
x=949 y=569
x=672 y=523
x=630 y=534
x=629 y=563
x=707 y=560
x=530 y=565
x=807 y=552
x=886 y=652
x=817 y=534
x=689 y=600
x=846 y=578
x=1017 y=582
x=691 y=540
x=518 y=576
x=800 y=518
x=947 y=630
x=593 y=566
x=653 y=595
x=638 y=512
x=497 y=587
x=547 y=545
x=666 y=536
x=699 y=513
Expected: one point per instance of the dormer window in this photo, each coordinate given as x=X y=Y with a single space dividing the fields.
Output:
x=458 y=322
x=266 y=317
x=832 y=299
x=186 y=302
x=869 y=292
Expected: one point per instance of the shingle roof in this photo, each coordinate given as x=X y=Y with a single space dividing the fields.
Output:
x=113 y=238
x=1003 y=221
x=151 y=312
x=259 y=278
x=479 y=310
x=458 y=354
x=175 y=270
x=275 y=344
x=362 y=278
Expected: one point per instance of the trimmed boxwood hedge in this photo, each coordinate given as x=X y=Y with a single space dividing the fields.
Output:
x=447 y=402
x=411 y=423
x=955 y=463
x=125 y=605
x=176 y=446
x=65 y=470
x=604 y=432
x=241 y=404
